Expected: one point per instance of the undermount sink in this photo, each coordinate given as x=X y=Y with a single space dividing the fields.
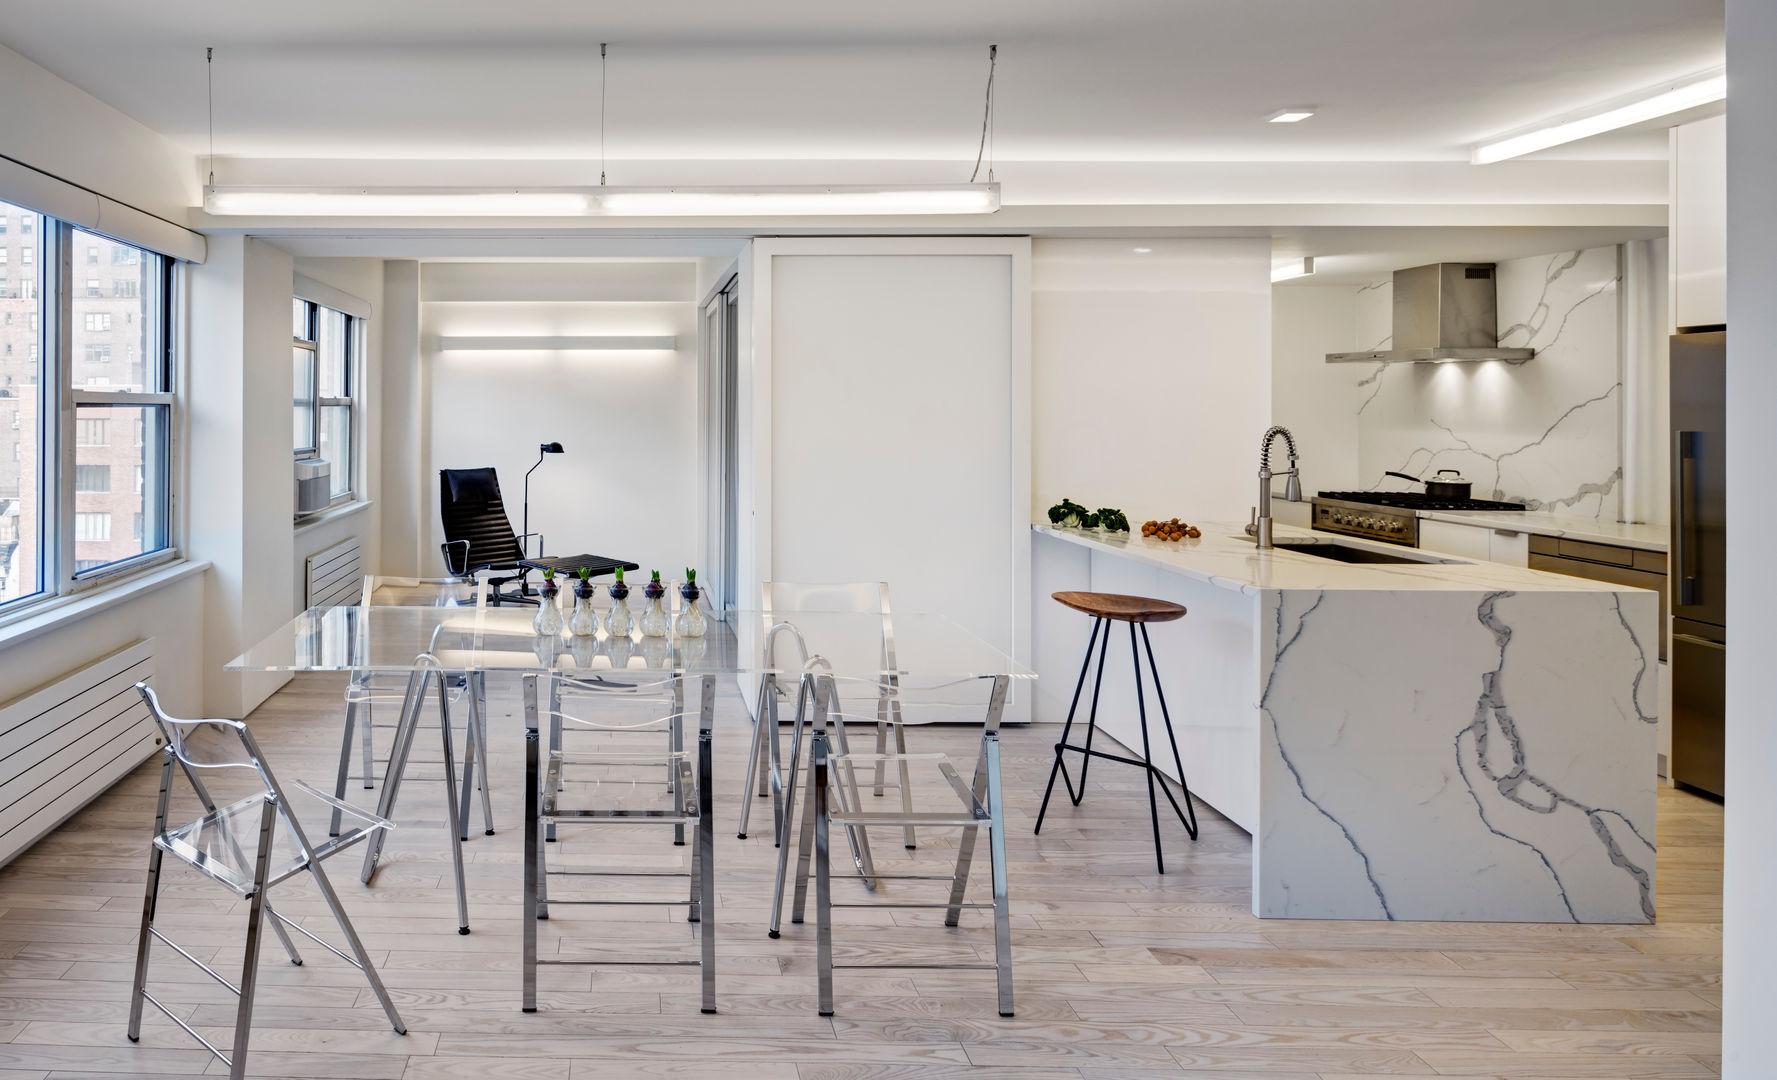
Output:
x=1351 y=553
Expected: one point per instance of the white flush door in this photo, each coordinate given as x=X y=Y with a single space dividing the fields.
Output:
x=899 y=427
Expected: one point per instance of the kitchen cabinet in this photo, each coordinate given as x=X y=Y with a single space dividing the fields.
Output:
x=1699 y=239
x=1475 y=542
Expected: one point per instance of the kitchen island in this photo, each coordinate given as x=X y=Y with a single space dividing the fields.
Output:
x=1432 y=740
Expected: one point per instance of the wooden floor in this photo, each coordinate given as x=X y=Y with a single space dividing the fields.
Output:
x=1122 y=974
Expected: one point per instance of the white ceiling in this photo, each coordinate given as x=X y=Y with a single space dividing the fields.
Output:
x=796 y=80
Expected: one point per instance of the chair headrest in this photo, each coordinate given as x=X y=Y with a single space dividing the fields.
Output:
x=473 y=485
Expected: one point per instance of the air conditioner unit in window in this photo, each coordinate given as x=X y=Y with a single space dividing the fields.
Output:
x=314 y=485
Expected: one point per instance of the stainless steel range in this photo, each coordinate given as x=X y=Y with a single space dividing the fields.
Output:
x=1390 y=516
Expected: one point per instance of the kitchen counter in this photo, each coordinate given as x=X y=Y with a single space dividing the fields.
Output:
x=1440 y=740
x=1228 y=559
x=1544 y=523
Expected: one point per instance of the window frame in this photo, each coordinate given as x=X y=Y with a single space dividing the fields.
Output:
x=356 y=327
x=61 y=576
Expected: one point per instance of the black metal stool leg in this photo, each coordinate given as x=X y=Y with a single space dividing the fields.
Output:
x=1141 y=702
x=1068 y=728
x=1091 y=719
x=1190 y=823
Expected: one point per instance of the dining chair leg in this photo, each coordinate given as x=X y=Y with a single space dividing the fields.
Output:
x=847 y=790
x=533 y=847
x=466 y=800
x=882 y=743
x=909 y=835
x=411 y=704
x=367 y=745
x=243 y=1023
x=451 y=809
x=706 y=840
x=555 y=737
x=345 y=765
x=996 y=839
x=805 y=850
x=787 y=822
x=478 y=707
x=774 y=753
x=754 y=776
x=150 y=898
x=965 y=846
x=823 y=899
x=677 y=727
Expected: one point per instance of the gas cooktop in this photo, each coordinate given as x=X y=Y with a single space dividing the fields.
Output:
x=1414 y=500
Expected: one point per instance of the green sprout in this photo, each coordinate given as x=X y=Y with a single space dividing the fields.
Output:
x=585 y=573
x=619 y=573
x=549 y=573
x=690 y=576
x=656 y=575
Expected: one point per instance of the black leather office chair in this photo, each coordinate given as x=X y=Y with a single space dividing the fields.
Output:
x=478 y=536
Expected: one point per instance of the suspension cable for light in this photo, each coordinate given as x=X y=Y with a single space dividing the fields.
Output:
x=210 y=94
x=795 y=200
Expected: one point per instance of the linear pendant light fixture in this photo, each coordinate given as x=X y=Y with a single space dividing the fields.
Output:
x=604 y=200
x=1705 y=88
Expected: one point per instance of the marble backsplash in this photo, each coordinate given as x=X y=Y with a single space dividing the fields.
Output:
x=1542 y=432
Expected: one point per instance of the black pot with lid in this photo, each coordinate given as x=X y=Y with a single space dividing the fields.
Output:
x=1446 y=484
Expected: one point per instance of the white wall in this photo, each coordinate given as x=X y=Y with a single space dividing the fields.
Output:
x=240 y=488
x=54 y=126
x=1319 y=402
x=403 y=404
x=1151 y=375
x=889 y=416
x=363 y=280
x=629 y=483
x=1749 y=942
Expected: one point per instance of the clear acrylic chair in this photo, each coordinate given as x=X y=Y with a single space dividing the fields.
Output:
x=405 y=695
x=831 y=797
x=765 y=758
x=617 y=756
x=247 y=847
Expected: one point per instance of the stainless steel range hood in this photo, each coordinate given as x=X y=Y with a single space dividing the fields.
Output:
x=1442 y=312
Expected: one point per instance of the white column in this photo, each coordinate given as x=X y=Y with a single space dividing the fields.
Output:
x=1749 y=945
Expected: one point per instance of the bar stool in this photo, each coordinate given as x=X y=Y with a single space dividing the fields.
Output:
x=1138 y=612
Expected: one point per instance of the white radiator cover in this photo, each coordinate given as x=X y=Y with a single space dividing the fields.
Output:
x=64 y=743
x=334 y=574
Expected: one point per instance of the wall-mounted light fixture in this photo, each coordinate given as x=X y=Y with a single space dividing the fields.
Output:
x=595 y=343
x=1706 y=88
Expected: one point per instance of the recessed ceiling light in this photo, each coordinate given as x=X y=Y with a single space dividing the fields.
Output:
x=1144 y=251
x=1292 y=268
x=1705 y=89
x=1291 y=116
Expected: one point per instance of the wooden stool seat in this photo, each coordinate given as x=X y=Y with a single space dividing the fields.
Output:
x=1121 y=608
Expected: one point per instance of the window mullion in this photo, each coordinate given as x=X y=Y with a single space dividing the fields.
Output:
x=59 y=452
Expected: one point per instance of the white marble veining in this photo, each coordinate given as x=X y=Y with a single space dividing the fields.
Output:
x=1543 y=431
x=1435 y=741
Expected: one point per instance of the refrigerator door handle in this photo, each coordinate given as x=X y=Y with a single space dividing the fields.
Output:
x=1692 y=639
x=1684 y=553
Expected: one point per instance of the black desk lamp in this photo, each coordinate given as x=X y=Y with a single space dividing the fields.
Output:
x=546 y=448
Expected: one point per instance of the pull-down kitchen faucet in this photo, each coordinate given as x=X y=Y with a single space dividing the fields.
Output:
x=1260 y=526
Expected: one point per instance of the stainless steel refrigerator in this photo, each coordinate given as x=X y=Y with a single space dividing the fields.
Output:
x=1698 y=559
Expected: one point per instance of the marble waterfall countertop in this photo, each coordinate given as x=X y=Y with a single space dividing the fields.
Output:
x=1441 y=740
x=1226 y=558
x=1568 y=526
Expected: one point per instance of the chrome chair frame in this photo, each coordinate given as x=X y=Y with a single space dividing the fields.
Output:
x=982 y=807
x=273 y=807
x=766 y=754
x=690 y=785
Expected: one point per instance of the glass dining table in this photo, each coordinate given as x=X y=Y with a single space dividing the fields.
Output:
x=428 y=643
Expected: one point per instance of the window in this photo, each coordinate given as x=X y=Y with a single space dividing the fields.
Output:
x=62 y=484
x=92 y=479
x=325 y=352
x=93 y=528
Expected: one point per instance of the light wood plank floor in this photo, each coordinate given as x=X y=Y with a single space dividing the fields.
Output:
x=1121 y=974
